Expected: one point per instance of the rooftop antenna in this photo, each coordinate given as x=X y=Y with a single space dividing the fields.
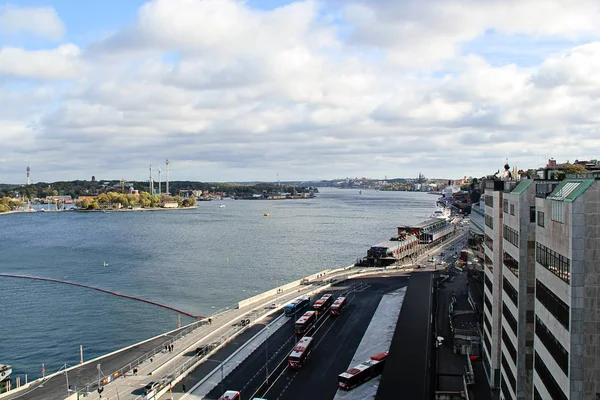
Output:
x=150 y=181
x=167 y=165
x=159 y=182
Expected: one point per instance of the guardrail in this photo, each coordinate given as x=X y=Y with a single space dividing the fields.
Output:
x=128 y=368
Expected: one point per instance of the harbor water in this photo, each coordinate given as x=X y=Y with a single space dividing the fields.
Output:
x=199 y=260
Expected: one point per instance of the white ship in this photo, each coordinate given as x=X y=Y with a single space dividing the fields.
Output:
x=442 y=213
x=5 y=371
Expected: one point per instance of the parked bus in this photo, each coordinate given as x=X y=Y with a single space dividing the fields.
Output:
x=362 y=372
x=322 y=305
x=305 y=322
x=296 y=306
x=338 y=306
x=231 y=395
x=300 y=352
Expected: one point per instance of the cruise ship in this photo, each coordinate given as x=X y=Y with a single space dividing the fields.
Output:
x=5 y=371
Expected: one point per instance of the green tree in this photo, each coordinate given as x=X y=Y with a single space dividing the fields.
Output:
x=189 y=202
x=569 y=168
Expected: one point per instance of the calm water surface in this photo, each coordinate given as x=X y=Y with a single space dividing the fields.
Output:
x=197 y=260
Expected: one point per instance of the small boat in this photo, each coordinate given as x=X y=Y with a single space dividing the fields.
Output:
x=105 y=264
x=222 y=206
x=266 y=215
x=5 y=371
x=360 y=192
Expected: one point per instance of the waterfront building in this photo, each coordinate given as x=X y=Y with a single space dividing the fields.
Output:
x=541 y=314
x=492 y=291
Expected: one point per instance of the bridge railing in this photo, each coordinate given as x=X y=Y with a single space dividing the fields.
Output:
x=128 y=368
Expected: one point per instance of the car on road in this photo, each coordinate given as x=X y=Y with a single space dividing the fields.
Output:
x=153 y=386
x=230 y=395
x=206 y=348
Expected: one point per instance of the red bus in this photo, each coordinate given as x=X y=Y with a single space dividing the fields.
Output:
x=305 y=322
x=338 y=306
x=301 y=352
x=323 y=304
x=464 y=255
x=231 y=395
x=362 y=372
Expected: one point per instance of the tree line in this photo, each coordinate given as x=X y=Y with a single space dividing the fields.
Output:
x=143 y=199
x=96 y=187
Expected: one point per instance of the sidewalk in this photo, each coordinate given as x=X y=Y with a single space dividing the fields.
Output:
x=172 y=366
x=214 y=378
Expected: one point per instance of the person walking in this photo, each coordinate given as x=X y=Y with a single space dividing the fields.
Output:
x=183 y=386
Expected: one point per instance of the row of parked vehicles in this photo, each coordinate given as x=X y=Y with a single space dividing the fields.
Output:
x=304 y=346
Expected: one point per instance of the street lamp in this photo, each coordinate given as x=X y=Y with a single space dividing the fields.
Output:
x=222 y=373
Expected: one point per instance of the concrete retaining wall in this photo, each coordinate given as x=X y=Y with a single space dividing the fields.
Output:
x=306 y=280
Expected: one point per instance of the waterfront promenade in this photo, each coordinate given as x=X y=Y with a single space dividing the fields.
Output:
x=156 y=363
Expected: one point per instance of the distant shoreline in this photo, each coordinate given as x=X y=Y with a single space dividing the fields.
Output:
x=99 y=210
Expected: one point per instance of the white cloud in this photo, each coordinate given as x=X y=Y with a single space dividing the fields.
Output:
x=40 y=21
x=419 y=35
x=232 y=92
x=59 y=63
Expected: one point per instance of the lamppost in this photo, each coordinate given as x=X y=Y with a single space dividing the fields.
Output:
x=222 y=373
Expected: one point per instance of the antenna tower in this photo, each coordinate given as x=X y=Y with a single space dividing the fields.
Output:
x=167 y=164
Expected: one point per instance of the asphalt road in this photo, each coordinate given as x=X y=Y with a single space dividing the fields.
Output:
x=336 y=342
x=55 y=388
x=407 y=366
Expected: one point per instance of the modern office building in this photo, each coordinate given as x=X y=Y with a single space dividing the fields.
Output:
x=542 y=288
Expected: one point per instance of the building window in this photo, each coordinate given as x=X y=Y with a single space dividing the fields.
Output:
x=486 y=341
x=556 y=350
x=510 y=291
x=489 y=242
x=486 y=322
x=512 y=322
x=504 y=387
x=489 y=201
x=488 y=303
x=549 y=382
x=488 y=263
x=556 y=306
x=532 y=214
x=511 y=264
x=554 y=262
x=512 y=209
x=558 y=211
x=511 y=235
x=505 y=205
x=489 y=285
x=509 y=374
x=509 y=346
x=541 y=219
x=489 y=221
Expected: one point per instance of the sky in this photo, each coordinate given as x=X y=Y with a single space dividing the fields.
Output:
x=295 y=90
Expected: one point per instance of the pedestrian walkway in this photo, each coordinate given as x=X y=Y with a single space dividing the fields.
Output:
x=224 y=368
x=169 y=367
